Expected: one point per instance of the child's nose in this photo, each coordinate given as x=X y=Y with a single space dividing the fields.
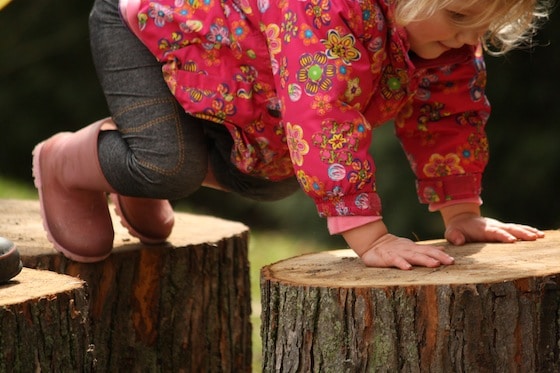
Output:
x=470 y=37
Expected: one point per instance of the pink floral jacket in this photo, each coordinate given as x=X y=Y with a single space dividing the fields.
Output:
x=301 y=84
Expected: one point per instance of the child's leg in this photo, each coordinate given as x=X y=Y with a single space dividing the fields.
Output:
x=157 y=151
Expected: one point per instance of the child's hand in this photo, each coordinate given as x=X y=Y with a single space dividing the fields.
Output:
x=473 y=228
x=393 y=251
x=377 y=248
x=464 y=224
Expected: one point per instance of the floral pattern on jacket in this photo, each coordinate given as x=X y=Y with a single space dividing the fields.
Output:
x=301 y=84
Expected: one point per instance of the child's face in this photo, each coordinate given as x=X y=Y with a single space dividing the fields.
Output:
x=432 y=37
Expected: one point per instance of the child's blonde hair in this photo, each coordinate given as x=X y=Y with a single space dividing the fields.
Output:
x=511 y=22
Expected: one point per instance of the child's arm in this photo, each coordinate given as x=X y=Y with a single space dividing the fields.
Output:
x=378 y=248
x=464 y=223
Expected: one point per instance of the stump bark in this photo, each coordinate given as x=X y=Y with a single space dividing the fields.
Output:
x=44 y=324
x=182 y=306
x=497 y=309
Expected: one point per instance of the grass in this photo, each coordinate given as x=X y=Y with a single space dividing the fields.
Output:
x=16 y=190
x=265 y=247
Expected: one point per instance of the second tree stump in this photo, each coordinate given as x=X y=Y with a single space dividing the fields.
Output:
x=497 y=309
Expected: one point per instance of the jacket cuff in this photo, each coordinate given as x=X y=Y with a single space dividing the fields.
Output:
x=438 y=206
x=449 y=188
x=362 y=204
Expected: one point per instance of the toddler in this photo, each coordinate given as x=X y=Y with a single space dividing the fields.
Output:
x=260 y=97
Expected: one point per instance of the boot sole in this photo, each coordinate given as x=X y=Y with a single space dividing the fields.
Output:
x=125 y=223
x=37 y=181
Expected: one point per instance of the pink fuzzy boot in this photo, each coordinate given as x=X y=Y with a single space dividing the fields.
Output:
x=72 y=193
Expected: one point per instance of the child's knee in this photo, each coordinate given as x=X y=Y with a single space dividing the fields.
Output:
x=179 y=184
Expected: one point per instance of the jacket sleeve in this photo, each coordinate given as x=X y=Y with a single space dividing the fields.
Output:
x=324 y=81
x=442 y=131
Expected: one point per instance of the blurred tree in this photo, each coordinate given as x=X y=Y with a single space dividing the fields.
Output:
x=47 y=79
x=48 y=84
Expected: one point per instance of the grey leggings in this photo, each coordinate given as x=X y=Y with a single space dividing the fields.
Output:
x=159 y=151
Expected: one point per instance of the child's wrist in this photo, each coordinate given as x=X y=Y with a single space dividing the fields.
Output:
x=450 y=213
x=362 y=238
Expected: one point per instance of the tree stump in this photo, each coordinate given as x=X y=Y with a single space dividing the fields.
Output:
x=182 y=306
x=44 y=324
x=497 y=309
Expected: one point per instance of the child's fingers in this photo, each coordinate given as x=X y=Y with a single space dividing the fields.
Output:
x=406 y=255
x=376 y=257
x=495 y=230
x=523 y=232
x=489 y=230
x=430 y=256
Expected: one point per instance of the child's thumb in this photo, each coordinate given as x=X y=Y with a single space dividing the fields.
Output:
x=454 y=236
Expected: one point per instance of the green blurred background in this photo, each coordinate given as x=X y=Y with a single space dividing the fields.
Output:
x=48 y=84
